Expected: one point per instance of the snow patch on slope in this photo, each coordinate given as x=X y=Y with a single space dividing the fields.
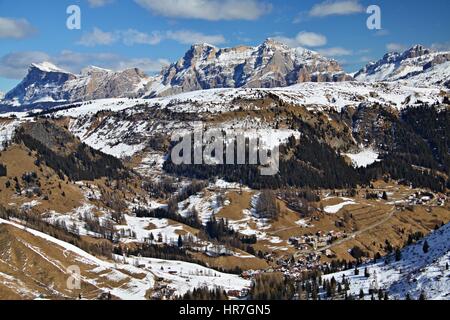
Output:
x=415 y=272
x=338 y=207
x=364 y=158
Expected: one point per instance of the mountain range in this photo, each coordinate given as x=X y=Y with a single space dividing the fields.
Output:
x=270 y=65
x=413 y=65
x=47 y=83
x=363 y=172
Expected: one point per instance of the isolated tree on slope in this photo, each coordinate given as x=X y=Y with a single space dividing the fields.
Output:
x=426 y=247
x=180 y=242
x=398 y=254
x=422 y=296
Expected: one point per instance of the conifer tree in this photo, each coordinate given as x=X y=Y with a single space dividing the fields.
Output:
x=426 y=247
x=398 y=254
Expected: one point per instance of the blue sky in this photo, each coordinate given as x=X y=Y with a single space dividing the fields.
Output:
x=118 y=34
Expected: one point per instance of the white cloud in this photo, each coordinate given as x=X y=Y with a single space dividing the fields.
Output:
x=75 y=61
x=15 y=65
x=444 y=46
x=339 y=7
x=304 y=39
x=97 y=37
x=382 y=33
x=131 y=37
x=395 y=47
x=311 y=39
x=291 y=42
x=364 y=51
x=335 y=52
x=99 y=3
x=15 y=28
x=212 y=10
x=190 y=37
x=301 y=17
x=144 y=64
x=365 y=59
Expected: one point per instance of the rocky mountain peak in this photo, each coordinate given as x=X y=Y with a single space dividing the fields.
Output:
x=413 y=63
x=274 y=44
x=39 y=84
x=93 y=70
x=47 y=67
x=271 y=64
x=416 y=51
x=411 y=53
x=45 y=82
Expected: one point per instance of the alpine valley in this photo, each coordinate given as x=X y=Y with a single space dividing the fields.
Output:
x=359 y=208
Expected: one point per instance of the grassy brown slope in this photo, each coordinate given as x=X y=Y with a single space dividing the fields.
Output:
x=35 y=267
x=62 y=196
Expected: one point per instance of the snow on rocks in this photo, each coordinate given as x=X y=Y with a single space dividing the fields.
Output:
x=184 y=276
x=28 y=205
x=152 y=164
x=206 y=206
x=141 y=228
x=7 y=130
x=416 y=271
x=180 y=276
x=109 y=139
x=304 y=223
x=94 y=106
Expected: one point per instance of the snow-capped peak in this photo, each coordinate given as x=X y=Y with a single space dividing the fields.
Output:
x=203 y=45
x=47 y=67
x=271 y=64
x=94 y=69
x=47 y=83
x=414 y=62
x=271 y=42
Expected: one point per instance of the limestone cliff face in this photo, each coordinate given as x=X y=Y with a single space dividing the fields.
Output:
x=47 y=83
x=100 y=84
x=269 y=65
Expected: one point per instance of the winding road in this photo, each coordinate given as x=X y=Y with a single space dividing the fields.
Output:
x=351 y=236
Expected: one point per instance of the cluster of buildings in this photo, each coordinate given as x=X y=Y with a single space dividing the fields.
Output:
x=315 y=241
x=420 y=198
x=163 y=292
